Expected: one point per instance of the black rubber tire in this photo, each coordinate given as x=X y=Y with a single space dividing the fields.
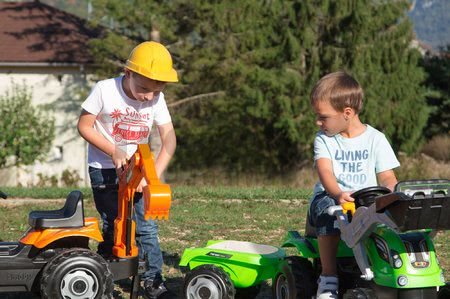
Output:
x=205 y=280
x=360 y=293
x=77 y=273
x=444 y=292
x=295 y=279
x=248 y=293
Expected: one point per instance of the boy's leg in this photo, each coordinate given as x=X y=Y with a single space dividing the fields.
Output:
x=148 y=244
x=104 y=189
x=147 y=241
x=328 y=250
x=328 y=240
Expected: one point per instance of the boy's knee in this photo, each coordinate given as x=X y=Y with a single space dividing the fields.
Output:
x=324 y=223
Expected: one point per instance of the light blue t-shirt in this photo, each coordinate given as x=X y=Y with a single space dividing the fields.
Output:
x=356 y=161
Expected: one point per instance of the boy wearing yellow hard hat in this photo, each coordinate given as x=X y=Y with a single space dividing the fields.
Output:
x=117 y=115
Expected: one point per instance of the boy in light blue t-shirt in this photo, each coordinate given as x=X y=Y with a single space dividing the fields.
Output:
x=348 y=156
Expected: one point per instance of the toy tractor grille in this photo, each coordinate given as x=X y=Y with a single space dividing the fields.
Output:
x=418 y=253
x=382 y=248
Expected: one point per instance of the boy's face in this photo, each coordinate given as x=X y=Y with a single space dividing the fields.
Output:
x=143 y=88
x=330 y=121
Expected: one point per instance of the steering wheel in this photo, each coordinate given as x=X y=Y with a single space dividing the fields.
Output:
x=366 y=196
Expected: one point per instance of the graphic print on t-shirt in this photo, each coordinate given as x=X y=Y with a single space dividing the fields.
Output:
x=129 y=126
x=352 y=166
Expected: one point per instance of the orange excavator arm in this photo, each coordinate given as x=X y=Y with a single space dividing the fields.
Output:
x=157 y=200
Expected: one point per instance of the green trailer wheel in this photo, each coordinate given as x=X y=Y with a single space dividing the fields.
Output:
x=208 y=282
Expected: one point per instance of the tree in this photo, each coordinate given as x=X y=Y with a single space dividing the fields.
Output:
x=26 y=133
x=266 y=59
x=438 y=78
x=258 y=61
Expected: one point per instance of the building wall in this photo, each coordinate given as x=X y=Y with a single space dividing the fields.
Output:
x=57 y=88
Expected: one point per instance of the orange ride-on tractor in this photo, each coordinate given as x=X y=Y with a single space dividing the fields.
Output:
x=53 y=257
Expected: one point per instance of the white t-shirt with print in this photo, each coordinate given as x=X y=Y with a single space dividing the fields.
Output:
x=122 y=120
x=356 y=161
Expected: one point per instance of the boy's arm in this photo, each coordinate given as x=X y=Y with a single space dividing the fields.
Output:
x=387 y=179
x=328 y=180
x=86 y=129
x=168 y=145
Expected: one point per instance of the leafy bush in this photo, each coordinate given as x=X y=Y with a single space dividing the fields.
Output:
x=26 y=132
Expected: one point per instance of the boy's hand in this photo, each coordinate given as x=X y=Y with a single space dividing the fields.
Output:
x=119 y=158
x=142 y=184
x=345 y=197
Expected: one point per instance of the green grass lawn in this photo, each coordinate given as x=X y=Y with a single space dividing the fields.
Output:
x=200 y=214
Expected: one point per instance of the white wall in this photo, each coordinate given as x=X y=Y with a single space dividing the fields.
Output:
x=53 y=86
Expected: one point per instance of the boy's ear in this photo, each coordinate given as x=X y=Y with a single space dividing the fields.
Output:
x=349 y=112
x=127 y=72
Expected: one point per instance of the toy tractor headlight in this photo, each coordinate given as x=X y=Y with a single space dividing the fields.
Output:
x=402 y=280
x=390 y=256
x=396 y=259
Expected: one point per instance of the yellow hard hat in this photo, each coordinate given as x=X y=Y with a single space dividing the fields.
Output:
x=152 y=60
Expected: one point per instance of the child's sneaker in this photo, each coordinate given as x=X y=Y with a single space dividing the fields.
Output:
x=157 y=289
x=327 y=287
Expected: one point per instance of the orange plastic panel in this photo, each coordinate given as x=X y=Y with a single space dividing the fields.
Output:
x=41 y=238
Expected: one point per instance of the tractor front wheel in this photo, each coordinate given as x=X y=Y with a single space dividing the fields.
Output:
x=444 y=292
x=360 y=293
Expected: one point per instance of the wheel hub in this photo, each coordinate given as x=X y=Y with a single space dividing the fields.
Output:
x=79 y=287
x=204 y=292
x=79 y=283
x=282 y=288
x=204 y=287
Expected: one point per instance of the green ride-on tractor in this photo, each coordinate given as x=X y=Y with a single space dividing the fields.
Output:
x=386 y=248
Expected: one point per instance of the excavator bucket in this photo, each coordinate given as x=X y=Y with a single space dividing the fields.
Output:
x=157 y=201
x=157 y=196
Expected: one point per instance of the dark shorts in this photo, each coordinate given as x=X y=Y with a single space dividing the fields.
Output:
x=324 y=223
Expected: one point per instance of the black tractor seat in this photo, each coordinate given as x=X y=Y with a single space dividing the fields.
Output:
x=71 y=215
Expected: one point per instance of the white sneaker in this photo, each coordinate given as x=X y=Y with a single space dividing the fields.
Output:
x=328 y=287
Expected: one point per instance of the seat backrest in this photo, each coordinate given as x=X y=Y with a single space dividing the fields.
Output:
x=73 y=201
x=71 y=215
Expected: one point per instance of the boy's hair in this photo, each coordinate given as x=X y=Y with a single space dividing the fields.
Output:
x=340 y=90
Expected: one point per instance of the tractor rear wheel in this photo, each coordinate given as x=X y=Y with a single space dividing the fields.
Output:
x=77 y=273
x=295 y=279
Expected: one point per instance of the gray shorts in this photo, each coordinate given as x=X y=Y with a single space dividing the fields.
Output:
x=325 y=224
